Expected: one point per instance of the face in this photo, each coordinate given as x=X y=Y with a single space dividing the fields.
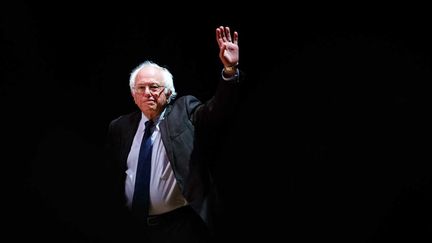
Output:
x=148 y=92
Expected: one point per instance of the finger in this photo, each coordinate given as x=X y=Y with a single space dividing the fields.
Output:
x=218 y=36
x=228 y=34
x=235 y=37
x=223 y=34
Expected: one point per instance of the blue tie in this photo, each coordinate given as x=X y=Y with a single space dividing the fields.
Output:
x=141 y=198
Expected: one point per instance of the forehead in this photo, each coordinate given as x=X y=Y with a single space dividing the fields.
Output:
x=149 y=75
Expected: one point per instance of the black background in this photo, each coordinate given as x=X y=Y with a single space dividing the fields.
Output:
x=331 y=140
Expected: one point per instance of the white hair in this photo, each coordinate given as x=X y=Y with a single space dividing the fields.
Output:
x=166 y=74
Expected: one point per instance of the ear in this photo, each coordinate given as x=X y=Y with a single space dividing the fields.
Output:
x=168 y=95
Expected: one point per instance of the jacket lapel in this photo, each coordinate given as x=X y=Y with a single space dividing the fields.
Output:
x=164 y=129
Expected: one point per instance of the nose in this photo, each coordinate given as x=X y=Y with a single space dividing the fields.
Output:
x=147 y=91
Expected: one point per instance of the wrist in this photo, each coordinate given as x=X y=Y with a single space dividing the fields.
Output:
x=230 y=70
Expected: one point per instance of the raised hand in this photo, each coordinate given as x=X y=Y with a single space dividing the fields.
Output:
x=228 y=46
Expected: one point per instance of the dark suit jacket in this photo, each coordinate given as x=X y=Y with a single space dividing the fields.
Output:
x=188 y=132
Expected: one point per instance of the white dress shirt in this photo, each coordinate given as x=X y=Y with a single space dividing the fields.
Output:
x=165 y=194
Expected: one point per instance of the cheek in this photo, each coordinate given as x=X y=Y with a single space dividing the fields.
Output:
x=162 y=99
x=135 y=98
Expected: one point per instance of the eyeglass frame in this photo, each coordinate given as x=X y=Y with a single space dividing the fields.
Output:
x=153 y=88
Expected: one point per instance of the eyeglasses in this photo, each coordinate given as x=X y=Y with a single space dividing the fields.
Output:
x=154 y=88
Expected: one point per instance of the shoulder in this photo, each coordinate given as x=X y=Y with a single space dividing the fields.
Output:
x=186 y=99
x=126 y=119
x=183 y=106
x=187 y=102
